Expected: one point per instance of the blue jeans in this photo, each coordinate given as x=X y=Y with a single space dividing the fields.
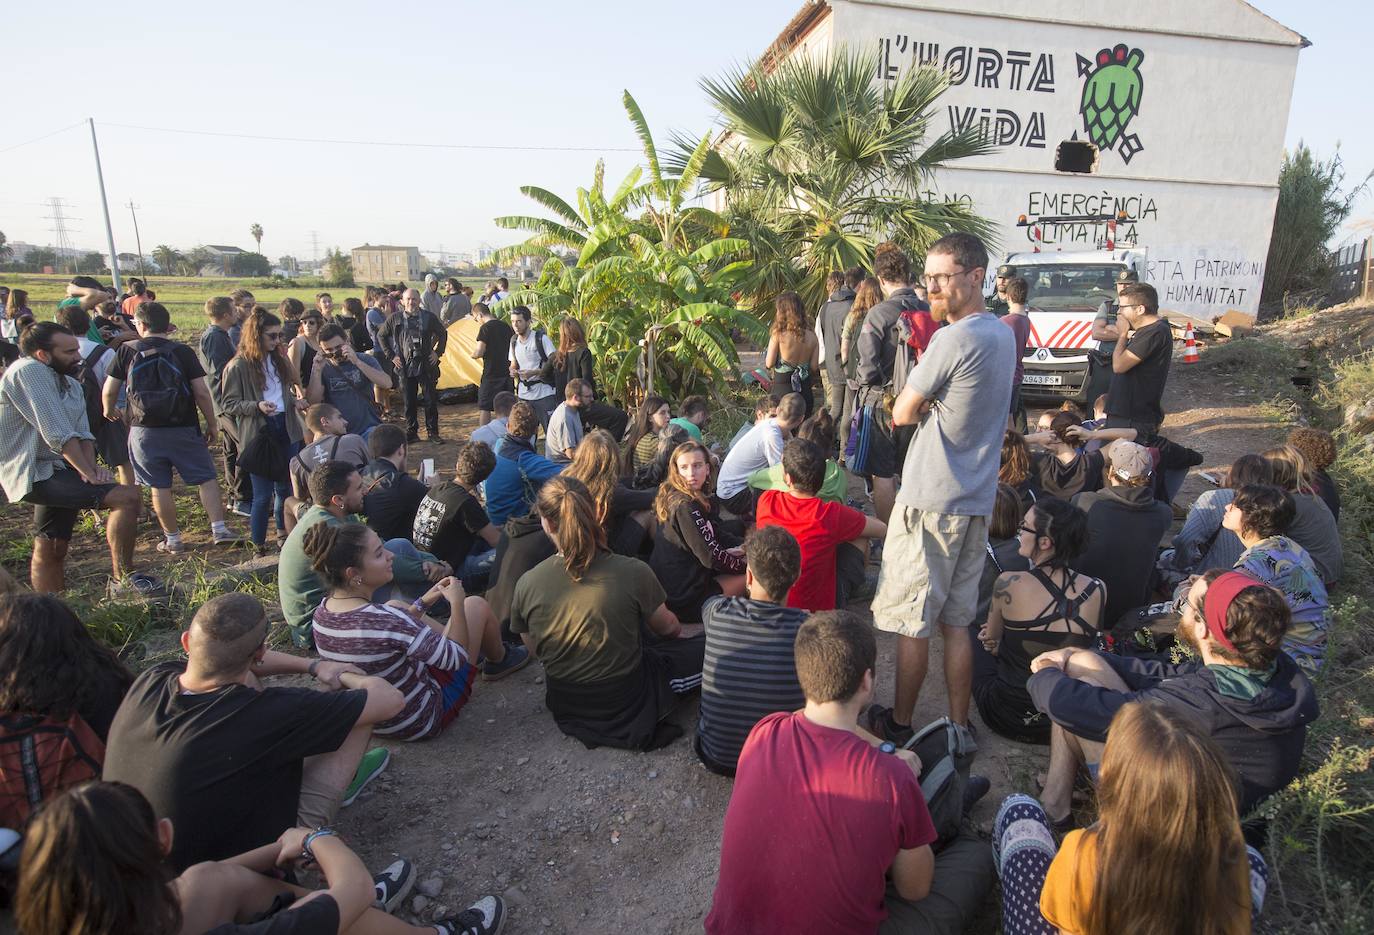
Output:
x=476 y=568
x=265 y=489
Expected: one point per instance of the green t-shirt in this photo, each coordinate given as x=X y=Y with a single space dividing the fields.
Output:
x=690 y=427
x=833 y=488
x=586 y=631
x=300 y=589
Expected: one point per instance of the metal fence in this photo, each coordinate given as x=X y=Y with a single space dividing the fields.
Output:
x=1353 y=277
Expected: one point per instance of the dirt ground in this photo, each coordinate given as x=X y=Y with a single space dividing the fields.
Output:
x=608 y=840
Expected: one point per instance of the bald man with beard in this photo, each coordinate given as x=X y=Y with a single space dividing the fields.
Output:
x=414 y=341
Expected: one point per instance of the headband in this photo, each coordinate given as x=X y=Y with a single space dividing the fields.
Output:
x=1217 y=601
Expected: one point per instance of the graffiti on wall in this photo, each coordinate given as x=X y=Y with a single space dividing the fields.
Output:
x=1204 y=279
x=1112 y=88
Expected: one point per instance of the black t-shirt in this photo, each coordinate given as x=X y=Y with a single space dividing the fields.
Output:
x=319 y=916
x=448 y=522
x=1135 y=395
x=187 y=361
x=389 y=507
x=496 y=335
x=225 y=765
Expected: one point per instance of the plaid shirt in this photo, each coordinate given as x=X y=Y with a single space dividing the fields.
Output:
x=40 y=411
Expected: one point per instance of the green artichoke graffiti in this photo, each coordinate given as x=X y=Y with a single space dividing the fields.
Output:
x=1111 y=93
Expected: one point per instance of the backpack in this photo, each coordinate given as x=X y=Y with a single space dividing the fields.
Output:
x=90 y=388
x=41 y=756
x=159 y=393
x=899 y=336
x=946 y=751
x=539 y=338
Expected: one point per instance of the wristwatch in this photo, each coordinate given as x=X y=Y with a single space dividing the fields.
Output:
x=887 y=746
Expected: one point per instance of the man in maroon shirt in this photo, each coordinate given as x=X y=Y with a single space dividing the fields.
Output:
x=823 y=814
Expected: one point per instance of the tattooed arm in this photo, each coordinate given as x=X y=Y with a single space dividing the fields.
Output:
x=991 y=635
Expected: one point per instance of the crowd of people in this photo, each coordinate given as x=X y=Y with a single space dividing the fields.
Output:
x=641 y=558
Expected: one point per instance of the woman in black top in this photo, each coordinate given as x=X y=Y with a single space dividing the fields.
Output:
x=573 y=361
x=693 y=556
x=1032 y=612
x=625 y=513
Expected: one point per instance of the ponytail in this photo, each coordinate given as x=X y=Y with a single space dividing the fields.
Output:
x=333 y=549
x=566 y=504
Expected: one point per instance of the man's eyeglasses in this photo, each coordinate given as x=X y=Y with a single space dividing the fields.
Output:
x=940 y=280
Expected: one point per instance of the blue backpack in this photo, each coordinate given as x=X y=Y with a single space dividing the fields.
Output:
x=159 y=393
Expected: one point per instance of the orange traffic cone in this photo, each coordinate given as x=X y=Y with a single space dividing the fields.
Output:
x=1189 y=346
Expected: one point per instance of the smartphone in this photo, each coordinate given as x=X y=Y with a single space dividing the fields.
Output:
x=426 y=470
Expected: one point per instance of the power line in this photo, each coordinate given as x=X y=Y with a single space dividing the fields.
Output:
x=401 y=143
x=43 y=137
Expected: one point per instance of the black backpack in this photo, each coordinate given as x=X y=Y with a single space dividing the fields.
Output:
x=159 y=393
x=91 y=388
x=946 y=751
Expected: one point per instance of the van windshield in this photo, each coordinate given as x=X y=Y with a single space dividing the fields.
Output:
x=1061 y=287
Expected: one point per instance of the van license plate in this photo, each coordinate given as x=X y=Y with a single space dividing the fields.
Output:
x=1042 y=379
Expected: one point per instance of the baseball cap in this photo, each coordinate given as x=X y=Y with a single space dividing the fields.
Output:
x=1006 y=271
x=1128 y=460
x=1128 y=275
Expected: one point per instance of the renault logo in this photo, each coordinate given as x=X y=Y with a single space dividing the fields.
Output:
x=1042 y=354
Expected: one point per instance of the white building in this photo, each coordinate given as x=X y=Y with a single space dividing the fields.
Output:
x=1187 y=101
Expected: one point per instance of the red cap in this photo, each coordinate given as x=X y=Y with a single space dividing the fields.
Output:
x=1217 y=601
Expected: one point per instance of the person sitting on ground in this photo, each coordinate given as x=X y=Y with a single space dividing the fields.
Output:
x=519 y=470
x=1259 y=516
x=56 y=681
x=232 y=763
x=1204 y=543
x=1318 y=448
x=1313 y=527
x=1003 y=549
x=336 y=489
x=48 y=459
x=97 y=865
x=432 y=665
x=833 y=537
x=615 y=657
x=392 y=496
x=765 y=407
x=523 y=545
x=452 y=524
x=760 y=449
x=650 y=476
x=332 y=442
x=1243 y=691
x=652 y=417
x=819 y=430
x=1125 y=526
x=822 y=815
x=693 y=556
x=1069 y=468
x=749 y=671
x=565 y=430
x=626 y=514
x=1166 y=794
x=491 y=432
x=694 y=414
x=1017 y=469
x=1047 y=607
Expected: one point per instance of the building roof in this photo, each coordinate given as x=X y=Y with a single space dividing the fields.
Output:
x=220 y=248
x=384 y=246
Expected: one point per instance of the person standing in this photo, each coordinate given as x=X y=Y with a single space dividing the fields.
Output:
x=47 y=458
x=342 y=377
x=1104 y=325
x=998 y=302
x=574 y=360
x=530 y=351
x=165 y=385
x=415 y=340
x=138 y=295
x=430 y=300
x=493 y=337
x=957 y=396
x=794 y=353
x=1140 y=364
x=1019 y=322
x=216 y=350
x=244 y=303
x=457 y=305
x=829 y=322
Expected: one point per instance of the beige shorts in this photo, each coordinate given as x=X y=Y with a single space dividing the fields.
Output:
x=931 y=566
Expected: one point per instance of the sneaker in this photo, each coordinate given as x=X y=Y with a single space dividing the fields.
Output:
x=517 y=657
x=170 y=549
x=412 y=438
x=975 y=789
x=229 y=537
x=436 y=438
x=393 y=885
x=484 y=917
x=136 y=584
x=877 y=720
x=373 y=764
x=242 y=508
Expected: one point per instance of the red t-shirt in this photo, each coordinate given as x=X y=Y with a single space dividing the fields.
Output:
x=818 y=526
x=816 y=819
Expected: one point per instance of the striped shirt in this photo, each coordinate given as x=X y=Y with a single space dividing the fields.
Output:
x=388 y=642
x=40 y=411
x=750 y=672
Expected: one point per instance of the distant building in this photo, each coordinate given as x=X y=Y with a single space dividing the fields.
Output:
x=382 y=263
x=223 y=262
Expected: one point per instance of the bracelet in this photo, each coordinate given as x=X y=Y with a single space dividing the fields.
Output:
x=306 y=852
x=314 y=667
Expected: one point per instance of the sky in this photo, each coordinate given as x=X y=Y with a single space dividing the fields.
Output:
x=521 y=73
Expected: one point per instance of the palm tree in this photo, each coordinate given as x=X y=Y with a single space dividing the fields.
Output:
x=256 y=231
x=819 y=163
x=166 y=258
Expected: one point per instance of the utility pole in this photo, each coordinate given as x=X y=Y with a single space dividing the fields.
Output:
x=105 y=206
x=138 y=241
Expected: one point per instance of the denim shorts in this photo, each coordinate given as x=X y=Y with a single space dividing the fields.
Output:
x=154 y=452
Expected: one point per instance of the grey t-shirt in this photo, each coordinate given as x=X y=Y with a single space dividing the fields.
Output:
x=565 y=431
x=951 y=466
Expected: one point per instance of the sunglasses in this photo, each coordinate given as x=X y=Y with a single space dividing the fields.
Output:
x=1028 y=529
x=272 y=335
